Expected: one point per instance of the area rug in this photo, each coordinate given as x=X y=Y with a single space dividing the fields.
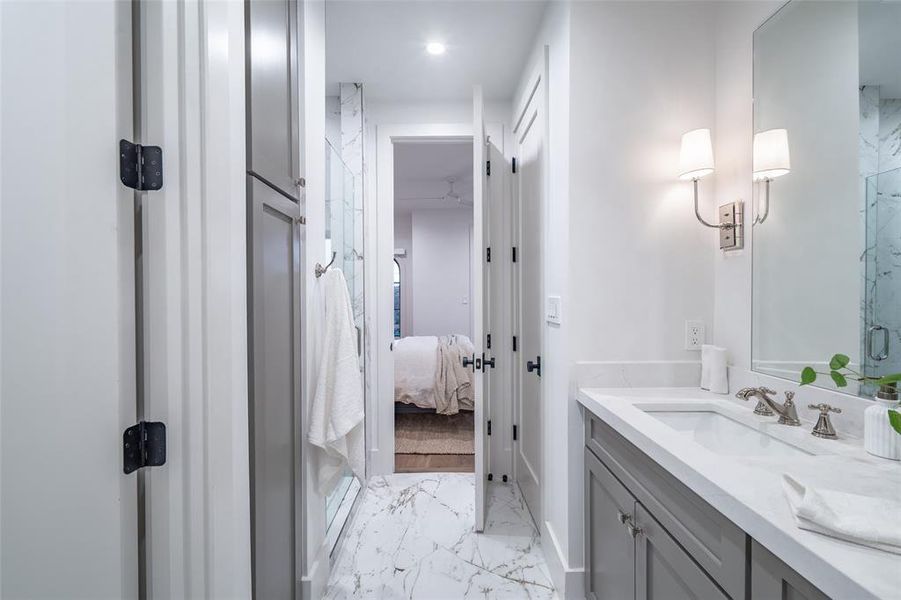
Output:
x=434 y=434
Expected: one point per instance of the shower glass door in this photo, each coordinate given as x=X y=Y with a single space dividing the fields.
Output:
x=881 y=343
x=344 y=237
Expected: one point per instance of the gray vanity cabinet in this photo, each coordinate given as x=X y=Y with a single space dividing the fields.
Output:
x=630 y=555
x=649 y=537
x=772 y=579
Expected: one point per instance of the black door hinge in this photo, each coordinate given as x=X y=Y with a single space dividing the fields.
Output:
x=488 y=168
x=514 y=253
x=489 y=426
x=514 y=164
x=488 y=341
x=504 y=479
x=140 y=167
x=490 y=477
x=488 y=254
x=514 y=343
x=514 y=433
x=144 y=445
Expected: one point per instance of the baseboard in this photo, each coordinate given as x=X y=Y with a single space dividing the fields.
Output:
x=568 y=583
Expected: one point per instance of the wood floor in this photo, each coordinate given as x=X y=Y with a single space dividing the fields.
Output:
x=434 y=463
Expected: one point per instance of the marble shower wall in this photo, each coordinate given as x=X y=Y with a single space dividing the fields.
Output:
x=880 y=160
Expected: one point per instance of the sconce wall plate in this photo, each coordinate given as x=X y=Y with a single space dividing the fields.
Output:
x=732 y=215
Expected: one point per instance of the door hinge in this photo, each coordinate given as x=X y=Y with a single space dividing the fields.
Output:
x=514 y=164
x=488 y=168
x=514 y=343
x=490 y=477
x=488 y=254
x=514 y=253
x=514 y=433
x=488 y=341
x=144 y=445
x=489 y=426
x=140 y=167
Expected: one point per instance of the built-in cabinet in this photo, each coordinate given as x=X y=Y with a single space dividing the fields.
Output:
x=651 y=538
x=273 y=93
x=274 y=297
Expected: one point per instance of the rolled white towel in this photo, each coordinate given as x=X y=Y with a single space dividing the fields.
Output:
x=863 y=520
x=714 y=369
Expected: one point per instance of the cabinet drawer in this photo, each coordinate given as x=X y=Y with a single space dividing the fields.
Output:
x=714 y=542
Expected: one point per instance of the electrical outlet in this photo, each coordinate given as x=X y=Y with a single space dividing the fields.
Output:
x=694 y=335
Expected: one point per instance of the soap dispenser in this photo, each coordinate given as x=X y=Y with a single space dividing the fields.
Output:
x=879 y=438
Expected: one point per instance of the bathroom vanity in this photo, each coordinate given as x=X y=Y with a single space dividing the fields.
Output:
x=683 y=499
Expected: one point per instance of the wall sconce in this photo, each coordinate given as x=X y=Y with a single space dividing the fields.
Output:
x=695 y=162
x=771 y=160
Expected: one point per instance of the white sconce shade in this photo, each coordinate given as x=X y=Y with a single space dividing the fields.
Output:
x=771 y=157
x=696 y=156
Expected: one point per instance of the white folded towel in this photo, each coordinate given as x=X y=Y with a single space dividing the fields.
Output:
x=854 y=518
x=337 y=411
x=714 y=369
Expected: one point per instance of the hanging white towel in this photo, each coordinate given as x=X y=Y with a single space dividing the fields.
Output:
x=851 y=517
x=337 y=411
x=714 y=369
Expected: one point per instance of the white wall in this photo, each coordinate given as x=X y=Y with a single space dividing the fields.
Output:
x=442 y=266
x=639 y=264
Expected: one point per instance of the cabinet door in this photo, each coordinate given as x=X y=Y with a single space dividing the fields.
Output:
x=274 y=331
x=609 y=547
x=772 y=579
x=272 y=111
x=663 y=570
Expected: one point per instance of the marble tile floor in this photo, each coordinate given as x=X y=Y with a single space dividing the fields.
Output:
x=413 y=538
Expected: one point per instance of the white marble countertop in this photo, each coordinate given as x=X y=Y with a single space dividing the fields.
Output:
x=748 y=490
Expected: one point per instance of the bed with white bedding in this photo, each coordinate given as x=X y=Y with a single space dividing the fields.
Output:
x=429 y=373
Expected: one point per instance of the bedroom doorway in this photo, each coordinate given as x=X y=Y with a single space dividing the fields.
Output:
x=460 y=363
x=432 y=306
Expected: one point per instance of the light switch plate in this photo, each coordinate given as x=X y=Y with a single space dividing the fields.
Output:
x=553 y=310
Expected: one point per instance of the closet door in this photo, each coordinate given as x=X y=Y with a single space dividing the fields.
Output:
x=273 y=108
x=274 y=356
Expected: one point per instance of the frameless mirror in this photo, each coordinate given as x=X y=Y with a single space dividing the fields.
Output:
x=827 y=220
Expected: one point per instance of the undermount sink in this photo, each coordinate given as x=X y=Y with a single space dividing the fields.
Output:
x=725 y=435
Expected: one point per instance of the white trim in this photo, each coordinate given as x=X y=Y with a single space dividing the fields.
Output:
x=568 y=582
x=380 y=409
x=195 y=302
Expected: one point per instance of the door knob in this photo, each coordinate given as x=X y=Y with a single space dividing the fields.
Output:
x=487 y=362
x=469 y=361
x=534 y=366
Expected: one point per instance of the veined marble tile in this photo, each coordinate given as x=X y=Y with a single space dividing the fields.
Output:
x=413 y=538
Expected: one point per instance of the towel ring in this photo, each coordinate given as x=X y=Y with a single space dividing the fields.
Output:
x=320 y=269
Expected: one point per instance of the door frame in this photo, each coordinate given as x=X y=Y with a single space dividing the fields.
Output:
x=379 y=412
x=195 y=321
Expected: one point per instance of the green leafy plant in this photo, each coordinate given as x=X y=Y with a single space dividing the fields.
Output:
x=840 y=373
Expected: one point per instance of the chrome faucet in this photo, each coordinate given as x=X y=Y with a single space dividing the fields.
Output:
x=788 y=414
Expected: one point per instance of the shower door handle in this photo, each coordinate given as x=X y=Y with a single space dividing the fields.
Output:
x=883 y=354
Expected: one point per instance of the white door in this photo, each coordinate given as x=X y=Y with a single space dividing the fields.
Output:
x=480 y=273
x=67 y=307
x=528 y=442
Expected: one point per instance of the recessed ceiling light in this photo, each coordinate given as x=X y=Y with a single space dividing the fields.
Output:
x=435 y=48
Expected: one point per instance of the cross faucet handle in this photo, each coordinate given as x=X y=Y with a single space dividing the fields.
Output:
x=824 y=428
x=824 y=408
